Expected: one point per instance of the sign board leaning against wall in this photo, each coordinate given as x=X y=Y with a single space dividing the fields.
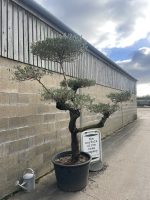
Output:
x=91 y=143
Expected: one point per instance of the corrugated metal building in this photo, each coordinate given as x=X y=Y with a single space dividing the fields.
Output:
x=24 y=22
x=30 y=130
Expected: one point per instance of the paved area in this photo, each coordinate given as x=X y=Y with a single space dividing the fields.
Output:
x=127 y=176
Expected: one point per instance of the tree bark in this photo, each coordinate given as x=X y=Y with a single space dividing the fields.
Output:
x=74 y=115
x=61 y=66
x=75 y=147
x=97 y=125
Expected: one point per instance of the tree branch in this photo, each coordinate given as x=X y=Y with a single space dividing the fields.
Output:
x=97 y=125
x=63 y=106
x=43 y=85
x=64 y=74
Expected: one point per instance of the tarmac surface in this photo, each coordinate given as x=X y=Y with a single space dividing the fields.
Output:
x=127 y=175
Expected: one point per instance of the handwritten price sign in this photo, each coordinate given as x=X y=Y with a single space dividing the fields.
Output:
x=91 y=143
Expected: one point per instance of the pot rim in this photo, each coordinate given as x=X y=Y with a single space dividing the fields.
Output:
x=73 y=165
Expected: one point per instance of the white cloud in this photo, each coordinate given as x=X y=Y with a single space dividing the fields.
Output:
x=139 y=67
x=143 y=89
x=145 y=50
x=104 y=23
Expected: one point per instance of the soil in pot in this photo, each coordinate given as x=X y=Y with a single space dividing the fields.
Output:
x=66 y=160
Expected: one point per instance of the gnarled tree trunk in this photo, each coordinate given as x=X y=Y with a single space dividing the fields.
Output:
x=74 y=115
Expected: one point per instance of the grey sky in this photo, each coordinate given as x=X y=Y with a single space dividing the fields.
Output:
x=138 y=65
x=109 y=24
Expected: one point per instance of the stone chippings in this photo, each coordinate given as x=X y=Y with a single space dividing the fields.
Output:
x=31 y=130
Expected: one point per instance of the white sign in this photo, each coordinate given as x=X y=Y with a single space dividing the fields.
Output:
x=91 y=143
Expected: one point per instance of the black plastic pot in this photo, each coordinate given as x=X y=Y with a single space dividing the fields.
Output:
x=71 y=178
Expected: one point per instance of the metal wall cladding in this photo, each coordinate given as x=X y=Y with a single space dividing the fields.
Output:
x=19 y=28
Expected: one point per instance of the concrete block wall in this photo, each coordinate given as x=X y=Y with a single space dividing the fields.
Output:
x=31 y=130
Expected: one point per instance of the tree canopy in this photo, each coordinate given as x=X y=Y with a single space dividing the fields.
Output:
x=64 y=48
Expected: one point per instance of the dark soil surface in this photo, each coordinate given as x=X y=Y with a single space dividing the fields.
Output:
x=67 y=160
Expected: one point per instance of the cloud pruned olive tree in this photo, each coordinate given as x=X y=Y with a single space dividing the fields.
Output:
x=67 y=48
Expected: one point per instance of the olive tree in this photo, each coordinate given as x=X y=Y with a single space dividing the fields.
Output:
x=67 y=48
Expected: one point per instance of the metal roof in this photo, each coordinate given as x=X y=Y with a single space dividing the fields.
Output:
x=50 y=19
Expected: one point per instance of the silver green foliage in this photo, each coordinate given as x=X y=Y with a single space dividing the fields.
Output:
x=63 y=48
x=69 y=97
x=120 y=97
x=75 y=84
x=103 y=108
x=29 y=73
